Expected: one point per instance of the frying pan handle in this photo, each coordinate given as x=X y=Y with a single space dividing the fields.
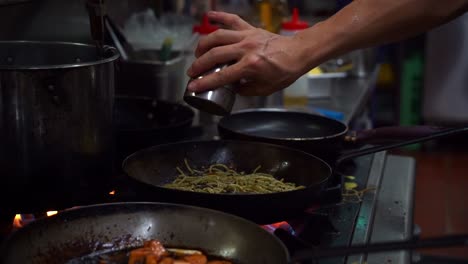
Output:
x=436 y=135
x=435 y=242
x=384 y=135
x=301 y=250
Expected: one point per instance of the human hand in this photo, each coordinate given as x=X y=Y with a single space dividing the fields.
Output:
x=263 y=62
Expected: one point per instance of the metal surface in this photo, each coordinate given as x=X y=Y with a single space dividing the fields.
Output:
x=217 y=101
x=56 y=119
x=394 y=210
x=97 y=229
x=387 y=213
x=115 y=40
x=365 y=218
x=143 y=74
x=348 y=96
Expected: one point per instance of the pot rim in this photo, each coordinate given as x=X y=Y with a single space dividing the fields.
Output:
x=113 y=55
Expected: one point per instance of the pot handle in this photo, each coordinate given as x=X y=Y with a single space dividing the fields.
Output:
x=384 y=135
x=426 y=137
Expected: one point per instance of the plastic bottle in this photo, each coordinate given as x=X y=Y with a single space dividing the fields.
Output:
x=296 y=95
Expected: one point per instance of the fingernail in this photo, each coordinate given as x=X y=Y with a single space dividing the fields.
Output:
x=192 y=86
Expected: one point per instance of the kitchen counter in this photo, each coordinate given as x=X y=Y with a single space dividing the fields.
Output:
x=387 y=213
x=347 y=101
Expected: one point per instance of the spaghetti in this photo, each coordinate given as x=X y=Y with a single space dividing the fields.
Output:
x=219 y=178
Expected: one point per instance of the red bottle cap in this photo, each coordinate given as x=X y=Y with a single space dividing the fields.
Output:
x=295 y=23
x=205 y=27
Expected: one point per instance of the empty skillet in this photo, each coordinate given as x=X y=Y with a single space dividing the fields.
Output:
x=316 y=134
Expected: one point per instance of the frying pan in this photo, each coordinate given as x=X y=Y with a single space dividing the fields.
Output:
x=154 y=167
x=85 y=234
x=319 y=135
x=109 y=227
x=141 y=122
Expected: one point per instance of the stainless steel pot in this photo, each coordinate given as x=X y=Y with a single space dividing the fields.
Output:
x=143 y=74
x=56 y=104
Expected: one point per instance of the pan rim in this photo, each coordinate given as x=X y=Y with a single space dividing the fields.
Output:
x=283 y=110
x=246 y=195
x=77 y=209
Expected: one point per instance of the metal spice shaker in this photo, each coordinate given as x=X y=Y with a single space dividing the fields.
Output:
x=218 y=101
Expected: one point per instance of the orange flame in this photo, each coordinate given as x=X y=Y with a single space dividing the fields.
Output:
x=21 y=220
x=51 y=213
x=18 y=221
x=112 y=192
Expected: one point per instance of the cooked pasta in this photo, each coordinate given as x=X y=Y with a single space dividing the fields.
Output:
x=219 y=178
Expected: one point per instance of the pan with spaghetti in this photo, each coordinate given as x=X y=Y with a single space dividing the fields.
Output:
x=257 y=181
x=219 y=178
x=155 y=168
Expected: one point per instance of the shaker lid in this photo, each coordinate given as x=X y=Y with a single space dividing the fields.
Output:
x=205 y=27
x=295 y=23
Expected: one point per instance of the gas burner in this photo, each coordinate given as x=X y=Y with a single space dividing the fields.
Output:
x=329 y=222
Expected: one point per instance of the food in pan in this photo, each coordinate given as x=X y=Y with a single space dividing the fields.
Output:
x=153 y=252
x=219 y=178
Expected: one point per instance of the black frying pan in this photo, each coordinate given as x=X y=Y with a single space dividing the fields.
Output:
x=88 y=234
x=319 y=135
x=153 y=167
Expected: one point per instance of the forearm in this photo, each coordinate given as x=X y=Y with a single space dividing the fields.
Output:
x=365 y=23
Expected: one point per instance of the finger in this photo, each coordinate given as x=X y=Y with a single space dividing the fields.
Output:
x=216 y=56
x=228 y=75
x=231 y=20
x=218 y=38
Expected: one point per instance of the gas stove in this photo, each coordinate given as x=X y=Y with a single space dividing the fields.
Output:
x=384 y=213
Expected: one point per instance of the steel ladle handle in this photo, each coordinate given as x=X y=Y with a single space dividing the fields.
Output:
x=97 y=13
